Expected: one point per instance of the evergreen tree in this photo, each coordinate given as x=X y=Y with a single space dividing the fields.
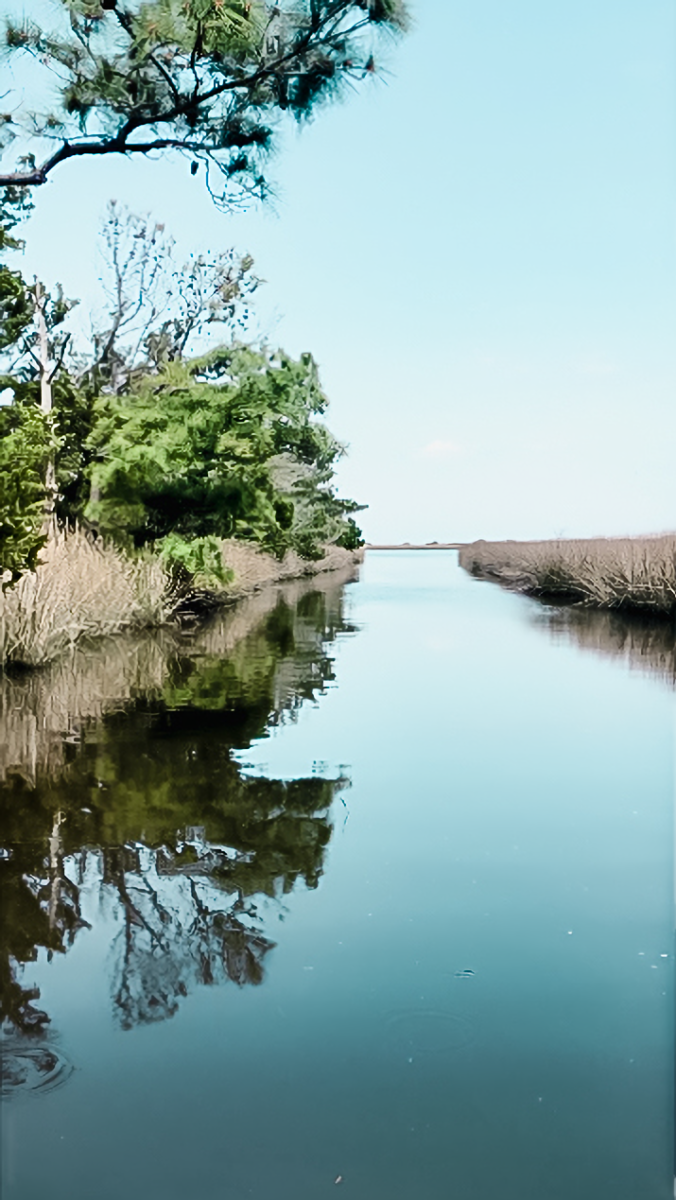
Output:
x=207 y=78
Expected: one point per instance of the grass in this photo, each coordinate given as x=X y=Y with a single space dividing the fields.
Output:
x=630 y=574
x=86 y=589
x=82 y=588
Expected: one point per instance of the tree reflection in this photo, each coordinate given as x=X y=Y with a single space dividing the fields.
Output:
x=147 y=811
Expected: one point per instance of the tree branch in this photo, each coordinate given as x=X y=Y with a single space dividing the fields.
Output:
x=38 y=175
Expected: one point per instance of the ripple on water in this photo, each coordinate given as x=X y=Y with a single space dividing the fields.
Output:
x=29 y=1066
x=420 y=1031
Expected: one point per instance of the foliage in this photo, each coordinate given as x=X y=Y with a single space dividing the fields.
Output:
x=192 y=451
x=155 y=448
x=26 y=441
x=73 y=418
x=200 y=559
x=207 y=78
x=16 y=306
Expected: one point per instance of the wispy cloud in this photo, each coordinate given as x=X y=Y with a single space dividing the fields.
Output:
x=440 y=449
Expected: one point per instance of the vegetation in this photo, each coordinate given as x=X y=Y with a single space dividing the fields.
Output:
x=26 y=442
x=150 y=444
x=192 y=451
x=208 y=79
x=142 y=436
x=612 y=573
x=82 y=588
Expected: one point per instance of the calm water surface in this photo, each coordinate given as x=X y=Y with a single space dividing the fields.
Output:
x=367 y=886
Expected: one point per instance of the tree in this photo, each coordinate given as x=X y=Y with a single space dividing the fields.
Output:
x=206 y=78
x=16 y=308
x=26 y=445
x=156 y=307
x=194 y=449
x=26 y=437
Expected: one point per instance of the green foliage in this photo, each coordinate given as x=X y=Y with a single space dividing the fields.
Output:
x=351 y=538
x=192 y=451
x=16 y=307
x=72 y=423
x=200 y=559
x=155 y=449
x=26 y=441
x=208 y=78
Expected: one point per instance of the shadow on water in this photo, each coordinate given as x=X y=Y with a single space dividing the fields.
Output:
x=118 y=782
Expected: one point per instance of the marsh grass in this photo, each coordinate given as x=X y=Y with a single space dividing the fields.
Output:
x=632 y=574
x=86 y=588
x=81 y=589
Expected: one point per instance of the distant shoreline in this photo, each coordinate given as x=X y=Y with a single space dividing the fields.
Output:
x=414 y=545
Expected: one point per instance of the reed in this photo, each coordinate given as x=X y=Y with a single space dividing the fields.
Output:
x=636 y=574
x=82 y=588
x=254 y=568
x=85 y=588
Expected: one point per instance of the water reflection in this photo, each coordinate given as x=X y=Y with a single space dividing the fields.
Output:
x=645 y=644
x=120 y=796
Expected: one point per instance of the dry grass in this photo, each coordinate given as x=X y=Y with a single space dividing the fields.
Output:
x=86 y=589
x=81 y=589
x=254 y=568
x=612 y=573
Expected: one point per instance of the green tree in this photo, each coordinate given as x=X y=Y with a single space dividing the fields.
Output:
x=206 y=78
x=26 y=443
x=194 y=451
x=26 y=439
x=16 y=307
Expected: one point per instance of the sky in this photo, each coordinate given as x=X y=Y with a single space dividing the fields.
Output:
x=479 y=249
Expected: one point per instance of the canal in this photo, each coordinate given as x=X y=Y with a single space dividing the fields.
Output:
x=368 y=884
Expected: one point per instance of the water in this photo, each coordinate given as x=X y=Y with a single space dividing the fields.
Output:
x=365 y=886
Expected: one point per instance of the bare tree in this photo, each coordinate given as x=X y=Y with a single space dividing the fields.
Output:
x=156 y=306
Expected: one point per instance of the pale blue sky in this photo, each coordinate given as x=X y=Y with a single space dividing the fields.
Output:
x=480 y=253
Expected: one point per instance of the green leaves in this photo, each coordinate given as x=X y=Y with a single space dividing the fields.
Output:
x=200 y=559
x=194 y=451
x=208 y=78
x=26 y=441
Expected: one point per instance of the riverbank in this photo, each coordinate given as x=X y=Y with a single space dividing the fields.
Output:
x=43 y=712
x=624 y=574
x=85 y=589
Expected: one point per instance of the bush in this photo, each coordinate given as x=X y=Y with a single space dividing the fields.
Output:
x=26 y=441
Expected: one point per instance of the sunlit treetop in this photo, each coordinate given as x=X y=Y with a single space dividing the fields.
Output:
x=206 y=78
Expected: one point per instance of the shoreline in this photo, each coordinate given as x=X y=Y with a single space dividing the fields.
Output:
x=632 y=575
x=84 y=590
x=44 y=710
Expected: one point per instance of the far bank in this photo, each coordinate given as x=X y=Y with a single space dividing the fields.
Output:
x=625 y=574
